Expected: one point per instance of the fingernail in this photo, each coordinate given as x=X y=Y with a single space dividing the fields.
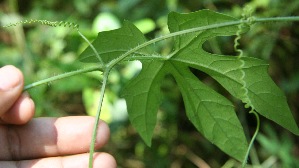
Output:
x=9 y=77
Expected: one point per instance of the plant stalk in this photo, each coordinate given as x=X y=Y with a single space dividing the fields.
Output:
x=97 y=118
x=62 y=76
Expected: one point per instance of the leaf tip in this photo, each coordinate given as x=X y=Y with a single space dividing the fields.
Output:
x=148 y=142
x=296 y=132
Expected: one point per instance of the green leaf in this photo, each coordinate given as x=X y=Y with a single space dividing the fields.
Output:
x=143 y=98
x=112 y=44
x=211 y=113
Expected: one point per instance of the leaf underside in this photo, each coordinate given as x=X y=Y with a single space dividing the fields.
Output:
x=212 y=114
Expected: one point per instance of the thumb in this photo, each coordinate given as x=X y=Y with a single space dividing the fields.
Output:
x=11 y=86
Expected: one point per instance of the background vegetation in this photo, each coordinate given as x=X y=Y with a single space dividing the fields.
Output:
x=42 y=51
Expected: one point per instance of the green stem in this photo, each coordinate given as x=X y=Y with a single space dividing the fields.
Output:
x=97 y=118
x=253 y=137
x=278 y=19
x=92 y=47
x=147 y=57
x=61 y=76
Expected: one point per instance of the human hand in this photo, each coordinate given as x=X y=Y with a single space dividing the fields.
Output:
x=43 y=142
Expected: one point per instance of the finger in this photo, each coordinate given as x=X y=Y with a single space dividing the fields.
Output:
x=101 y=160
x=21 y=112
x=11 y=86
x=48 y=137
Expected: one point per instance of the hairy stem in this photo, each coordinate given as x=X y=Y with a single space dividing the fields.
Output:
x=61 y=76
x=97 y=118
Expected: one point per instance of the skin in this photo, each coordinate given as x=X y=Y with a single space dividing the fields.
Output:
x=27 y=142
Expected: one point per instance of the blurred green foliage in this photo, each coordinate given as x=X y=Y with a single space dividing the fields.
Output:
x=41 y=52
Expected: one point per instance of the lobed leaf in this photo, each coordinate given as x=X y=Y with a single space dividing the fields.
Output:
x=212 y=114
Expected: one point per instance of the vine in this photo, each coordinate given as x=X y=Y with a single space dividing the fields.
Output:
x=246 y=15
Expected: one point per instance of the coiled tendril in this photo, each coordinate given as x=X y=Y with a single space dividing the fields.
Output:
x=246 y=16
x=59 y=24
x=46 y=22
